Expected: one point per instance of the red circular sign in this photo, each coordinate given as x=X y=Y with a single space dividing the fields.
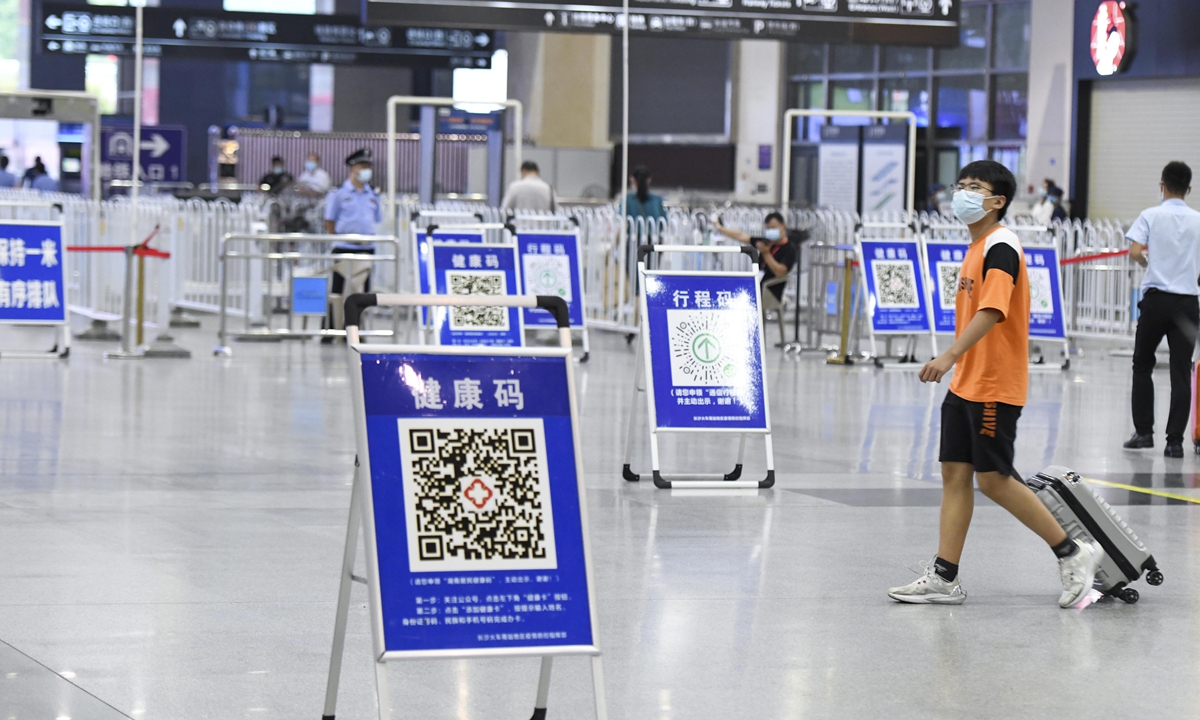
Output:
x=1111 y=38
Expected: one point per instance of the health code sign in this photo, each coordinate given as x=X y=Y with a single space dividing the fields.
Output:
x=895 y=286
x=550 y=266
x=476 y=500
x=32 y=288
x=1045 y=293
x=944 y=261
x=461 y=269
x=704 y=353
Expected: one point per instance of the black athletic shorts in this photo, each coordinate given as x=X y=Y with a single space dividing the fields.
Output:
x=979 y=434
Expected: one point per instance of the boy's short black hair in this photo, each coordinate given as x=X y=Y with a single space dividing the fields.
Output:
x=993 y=173
x=1177 y=177
x=774 y=216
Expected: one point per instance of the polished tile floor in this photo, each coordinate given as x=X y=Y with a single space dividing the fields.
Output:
x=170 y=538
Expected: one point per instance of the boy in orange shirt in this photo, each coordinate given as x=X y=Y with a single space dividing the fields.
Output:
x=980 y=412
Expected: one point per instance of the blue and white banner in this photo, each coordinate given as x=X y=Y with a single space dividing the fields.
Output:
x=550 y=266
x=457 y=268
x=704 y=351
x=1045 y=293
x=944 y=262
x=476 y=501
x=32 y=280
x=896 y=286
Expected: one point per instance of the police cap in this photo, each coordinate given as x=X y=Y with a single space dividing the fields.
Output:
x=360 y=156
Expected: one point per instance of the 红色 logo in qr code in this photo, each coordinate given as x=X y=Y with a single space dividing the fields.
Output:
x=477 y=282
x=895 y=283
x=476 y=494
x=948 y=283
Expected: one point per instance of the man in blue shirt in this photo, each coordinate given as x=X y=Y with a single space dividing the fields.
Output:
x=7 y=179
x=1166 y=241
x=353 y=209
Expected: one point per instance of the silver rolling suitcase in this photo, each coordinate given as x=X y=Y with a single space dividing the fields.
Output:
x=1083 y=514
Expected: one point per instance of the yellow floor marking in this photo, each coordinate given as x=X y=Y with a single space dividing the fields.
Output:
x=1147 y=491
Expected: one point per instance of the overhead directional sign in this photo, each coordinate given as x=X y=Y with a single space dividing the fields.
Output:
x=216 y=35
x=163 y=153
x=890 y=21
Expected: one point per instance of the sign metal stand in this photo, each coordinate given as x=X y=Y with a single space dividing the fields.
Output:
x=702 y=345
x=33 y=281
x=897 y=290
x=543 y=601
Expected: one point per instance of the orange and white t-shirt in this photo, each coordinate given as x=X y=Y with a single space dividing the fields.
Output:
x=993 y=276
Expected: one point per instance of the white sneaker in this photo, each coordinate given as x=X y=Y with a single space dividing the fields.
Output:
x=1079 y=572
x=930 y=589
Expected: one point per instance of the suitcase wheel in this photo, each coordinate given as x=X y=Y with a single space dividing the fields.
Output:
x=1129 y=595
x=1154 y=577
x=1196 y=445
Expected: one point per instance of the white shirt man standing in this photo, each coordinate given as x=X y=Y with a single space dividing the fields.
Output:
x=531 y=192
x=1166 y=241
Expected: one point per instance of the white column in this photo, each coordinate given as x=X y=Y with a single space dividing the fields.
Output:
x=24 y=43
x=757 y=108
x=320 y=98
x=1050 y=93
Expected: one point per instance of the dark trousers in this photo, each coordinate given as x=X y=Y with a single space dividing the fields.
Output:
x=1176 y=317
x=338 y=282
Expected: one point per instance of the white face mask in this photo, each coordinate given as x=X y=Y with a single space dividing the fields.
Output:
x=277 y=169
x=310 y=165
x=772 y=234
x=364 y=176
x=968 y=206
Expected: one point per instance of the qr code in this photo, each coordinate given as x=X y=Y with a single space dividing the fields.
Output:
x=711 y=348
x=476 y=494
x=948 y=273
x=1041 y=292
x=895 y=284
x=468 y=282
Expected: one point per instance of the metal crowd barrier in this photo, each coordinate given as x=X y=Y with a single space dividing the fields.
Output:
x=279 y=259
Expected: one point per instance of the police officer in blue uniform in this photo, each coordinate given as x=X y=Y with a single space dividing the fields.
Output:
x=353 y=209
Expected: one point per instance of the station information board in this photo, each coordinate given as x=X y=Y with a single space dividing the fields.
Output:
x=32 y=287
x=781 y=19
x=72 y=29
x=704 y=351
x=476 y=516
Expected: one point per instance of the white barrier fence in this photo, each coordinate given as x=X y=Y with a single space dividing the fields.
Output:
x=1100 y=285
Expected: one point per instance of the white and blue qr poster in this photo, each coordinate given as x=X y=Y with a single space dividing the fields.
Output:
x=1045 y=294
x=895 y=285
x=469 y=269
x=944 y=261
x=550 y=266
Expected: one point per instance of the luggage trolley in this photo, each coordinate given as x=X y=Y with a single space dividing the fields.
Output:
x=702 y=345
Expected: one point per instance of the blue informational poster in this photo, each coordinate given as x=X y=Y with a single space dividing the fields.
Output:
x=550 y=266
x=421 y=266
x=944 y=262
x=476 y=501
x=457 y=268
x=1045 y=293
x=163 y=155
x=704 y=351
x=32 y=287
x=310 y=295
x=896 y=286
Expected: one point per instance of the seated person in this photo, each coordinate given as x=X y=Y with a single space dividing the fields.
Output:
x=778 y=250
x=276 y=180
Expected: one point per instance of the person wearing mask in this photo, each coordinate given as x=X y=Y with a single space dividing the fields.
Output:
x=7 y=179
x=276 y=180
x=42 y=181
x=314 y=181
x=778 y=250
x=353 y=209
x=936 y=198
x=531 y=192
x=1055 y=196
x=1043 y=210
x=643 y=203
x=990 y=359
x=1166 y=241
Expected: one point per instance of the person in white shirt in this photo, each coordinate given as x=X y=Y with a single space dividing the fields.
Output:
x=1166 y=241
x=314 y=181
x=1043 y=211
x=531 y=192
